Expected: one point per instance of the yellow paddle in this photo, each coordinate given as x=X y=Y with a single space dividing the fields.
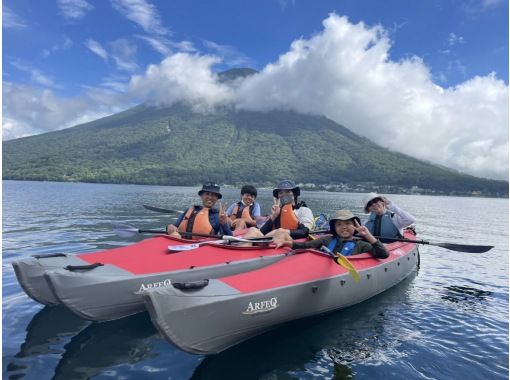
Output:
x=340 y=260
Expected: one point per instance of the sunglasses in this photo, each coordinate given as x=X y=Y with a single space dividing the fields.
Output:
x=373 y=202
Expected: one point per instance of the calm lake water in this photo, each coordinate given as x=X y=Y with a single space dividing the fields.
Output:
x=448 y=320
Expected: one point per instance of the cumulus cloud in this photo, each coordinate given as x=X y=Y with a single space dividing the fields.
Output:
x=182 y=77
x=345 y=73
x=74 y=9
x=49 y=112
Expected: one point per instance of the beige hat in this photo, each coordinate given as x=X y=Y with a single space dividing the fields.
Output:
x=341 y=215
x=369 y=197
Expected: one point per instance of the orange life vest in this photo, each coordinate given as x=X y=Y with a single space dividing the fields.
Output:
x=196 y=220
x=287 y=218
x=246 y=212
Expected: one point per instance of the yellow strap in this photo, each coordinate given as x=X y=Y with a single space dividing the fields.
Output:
x=342 y=260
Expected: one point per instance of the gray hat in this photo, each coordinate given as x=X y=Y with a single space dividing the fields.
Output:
x=211 y=187
x=368 y=198
x=341 y=215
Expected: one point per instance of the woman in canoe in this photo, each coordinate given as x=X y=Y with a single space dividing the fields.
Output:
x=287 y=214
x=386 y=219
x=202 y=219
x=343 y=225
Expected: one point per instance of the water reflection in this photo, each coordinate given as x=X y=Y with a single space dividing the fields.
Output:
x=104 y=345
x=466 y=296
x=47 y=332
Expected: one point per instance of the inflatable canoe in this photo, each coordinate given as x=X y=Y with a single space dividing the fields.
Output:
x=113 y=290
x=30 y=271
x=223 y=312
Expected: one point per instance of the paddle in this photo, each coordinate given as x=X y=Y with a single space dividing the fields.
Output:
x=343 y=261
x=226 y=238
x=125 y=230
x=162 y=210
x=451 y=246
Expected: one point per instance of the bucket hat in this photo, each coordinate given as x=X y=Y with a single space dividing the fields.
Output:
x=368 y=198
x=287 y=184
x=211 y=187
x=341 y=215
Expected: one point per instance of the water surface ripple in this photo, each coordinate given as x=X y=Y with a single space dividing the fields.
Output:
x=448 y=320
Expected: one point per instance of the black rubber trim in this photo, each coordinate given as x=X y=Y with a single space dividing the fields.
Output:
x=191 y=284
x=73 y=268
x=49 y=255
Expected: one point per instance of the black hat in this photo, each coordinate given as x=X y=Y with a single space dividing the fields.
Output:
x=287 y=185
x=249 y=189
x=211 y=187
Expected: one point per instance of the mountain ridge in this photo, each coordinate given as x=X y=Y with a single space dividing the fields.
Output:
x=175 y=146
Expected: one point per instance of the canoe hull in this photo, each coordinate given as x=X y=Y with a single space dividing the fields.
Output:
x=107 y=293
x=212 y=319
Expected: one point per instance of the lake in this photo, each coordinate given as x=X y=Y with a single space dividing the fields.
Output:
x=448 y=320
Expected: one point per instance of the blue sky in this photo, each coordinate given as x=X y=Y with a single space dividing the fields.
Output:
x=421 y=77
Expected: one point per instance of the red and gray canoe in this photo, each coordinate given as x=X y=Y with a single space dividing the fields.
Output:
x=207 y=317
x=93 y=285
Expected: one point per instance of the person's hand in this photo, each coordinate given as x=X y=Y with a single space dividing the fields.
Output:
x=223 y=215
x=275 y=209
x=170 y=229
x=364 y=232
x=386 y=201
x=281 y=238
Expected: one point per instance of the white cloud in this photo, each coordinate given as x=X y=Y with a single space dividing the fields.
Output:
x=161 y=45
x=74 y=9
x=230 y=55
x=345 y=73
x=28 y=110
x=66 y=44
x=96 y=48
x=453 y=39
x=142 y=13
x=11 y=20
x=123 y=53
x=36 y=75
x=182 y=77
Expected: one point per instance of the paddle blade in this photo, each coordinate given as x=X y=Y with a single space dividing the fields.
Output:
x=184 y=247
x=465 y=247
x=342 y=260
x=124 y=230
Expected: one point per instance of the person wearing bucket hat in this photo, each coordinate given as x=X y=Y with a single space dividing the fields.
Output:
x=386 y=219
x=243 y=214
x=343 y=225
x=202 y=219
x=287 y=213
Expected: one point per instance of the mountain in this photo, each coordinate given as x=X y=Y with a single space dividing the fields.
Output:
x=176 y=146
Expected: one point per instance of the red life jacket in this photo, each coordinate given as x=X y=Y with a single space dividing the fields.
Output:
x=196 y=220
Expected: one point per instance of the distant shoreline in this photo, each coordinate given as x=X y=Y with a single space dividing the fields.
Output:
x=359 y=188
